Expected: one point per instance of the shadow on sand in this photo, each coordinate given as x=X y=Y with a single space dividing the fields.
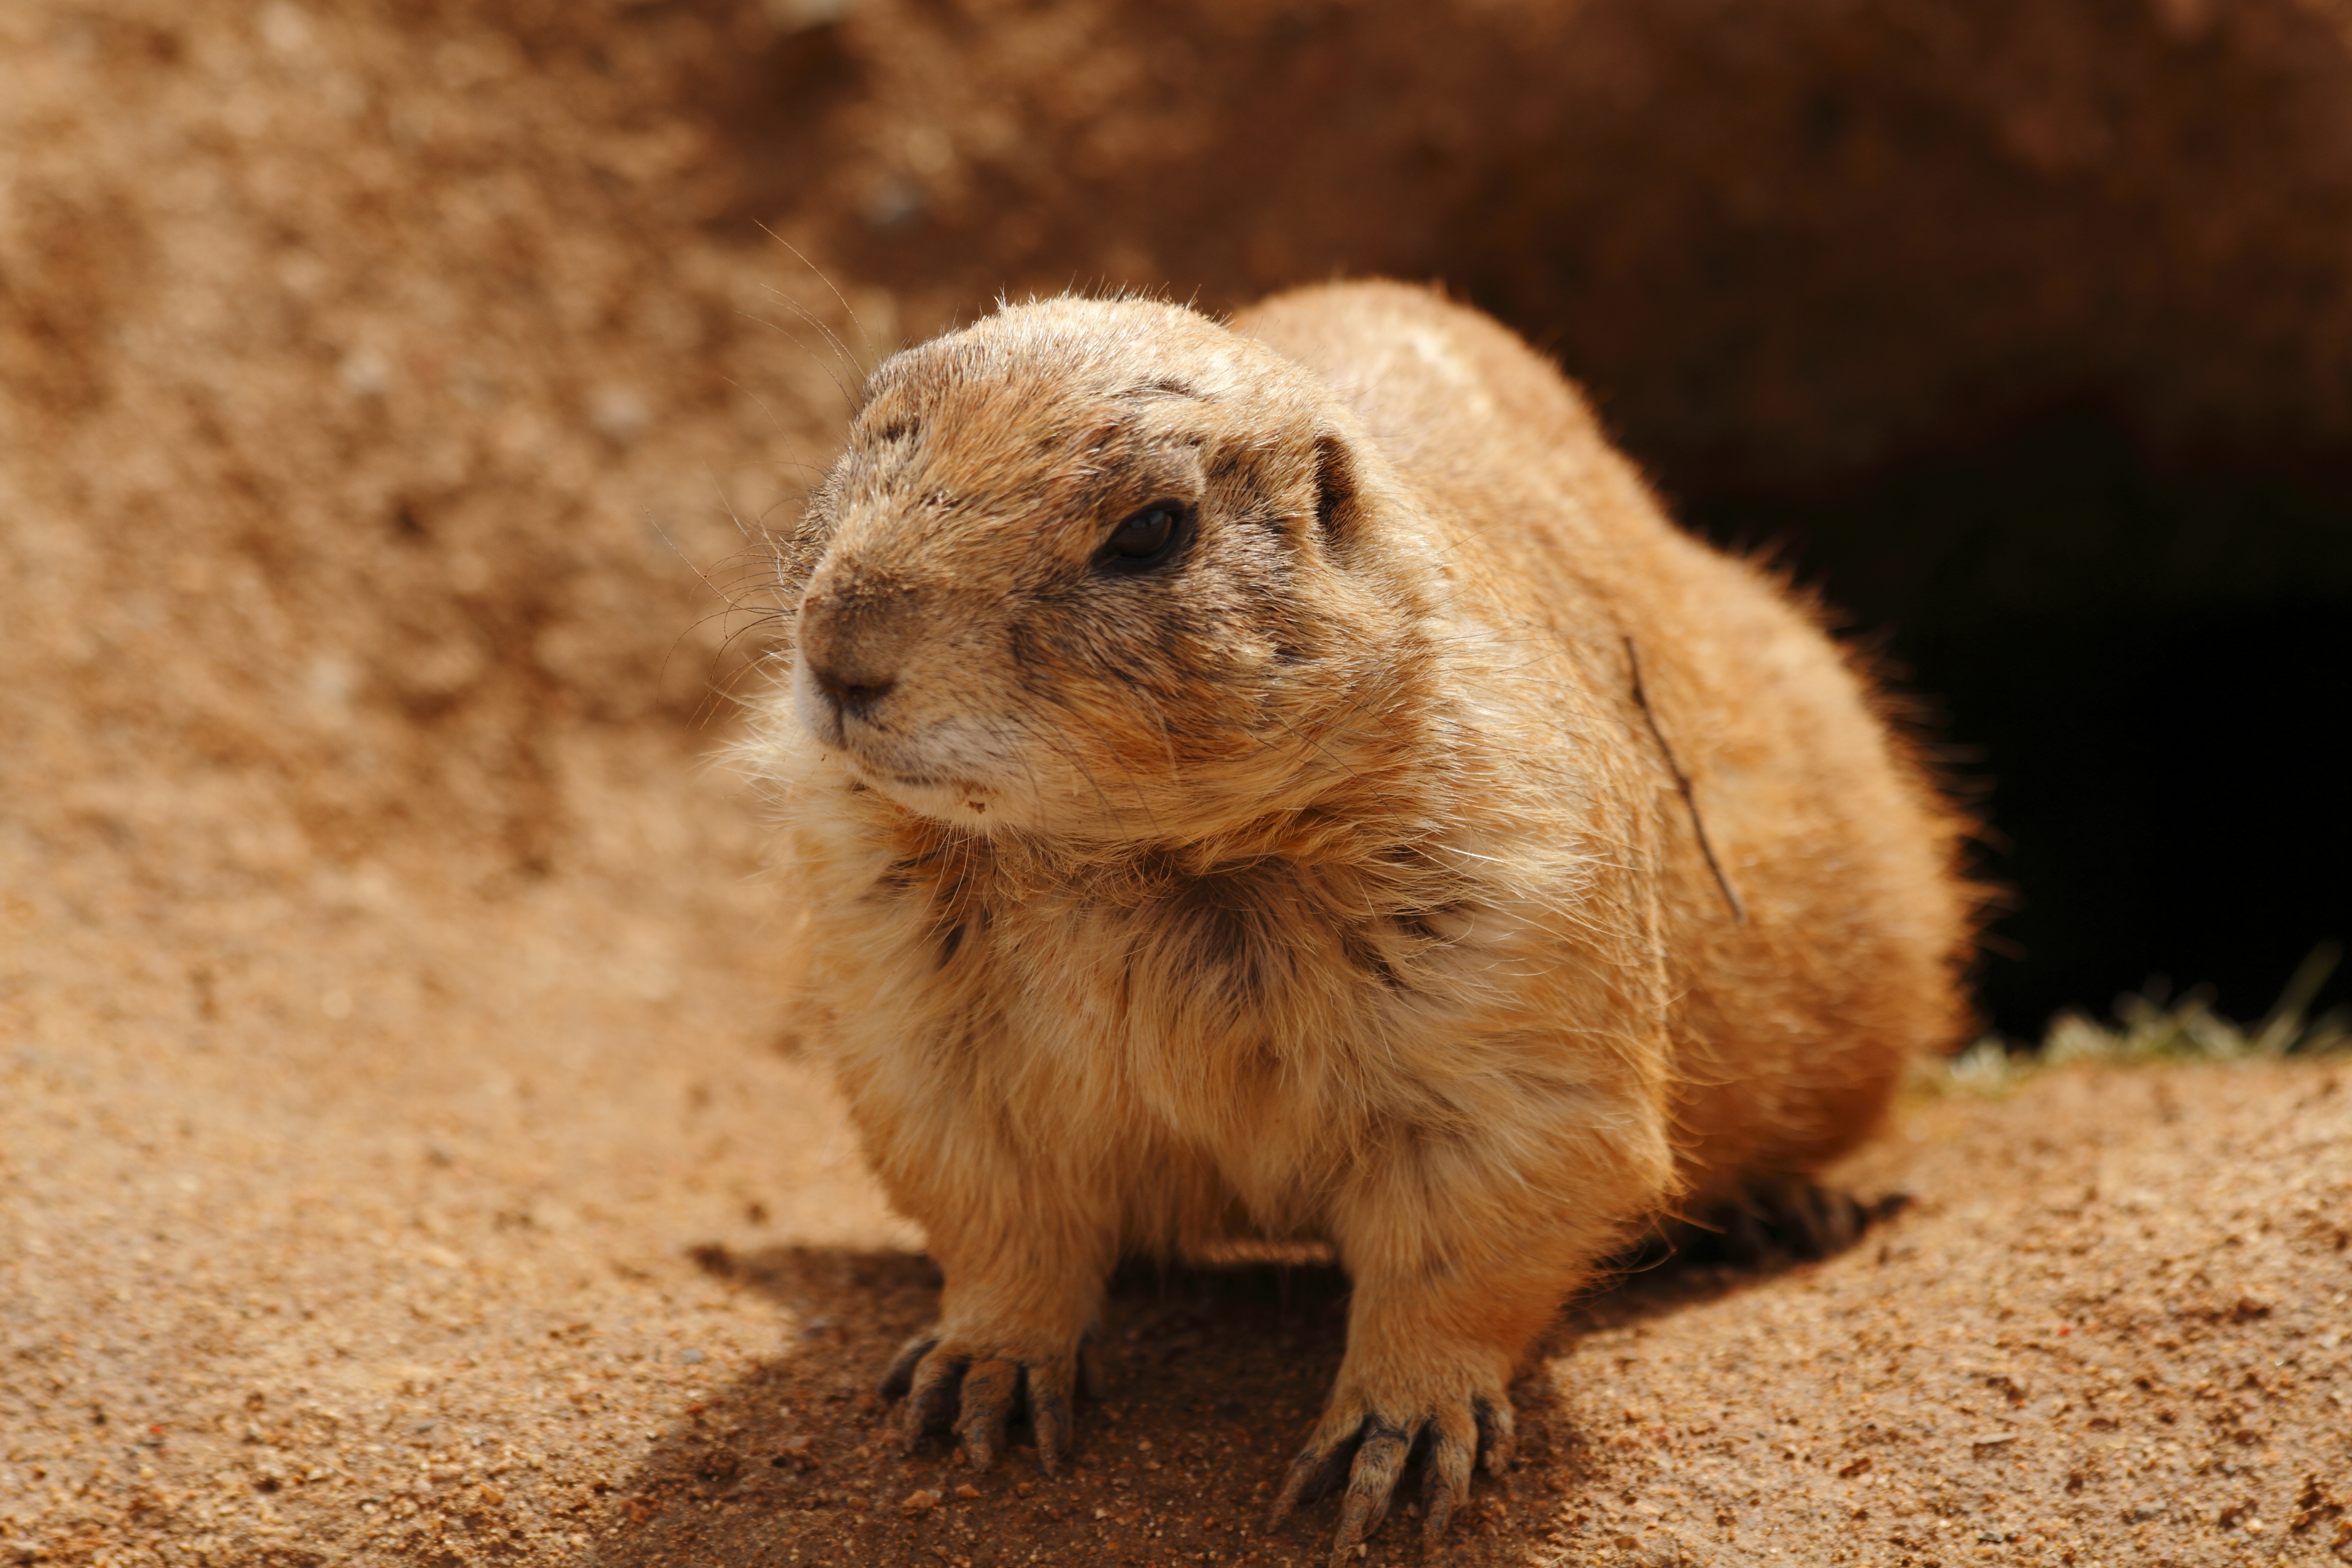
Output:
x=1210 y=1379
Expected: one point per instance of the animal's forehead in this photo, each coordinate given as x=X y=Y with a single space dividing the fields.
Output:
x=967 y=419
x=1052 y=377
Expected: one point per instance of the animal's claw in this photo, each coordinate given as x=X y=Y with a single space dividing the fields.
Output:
x=1368 y=1451
x=975 y=1394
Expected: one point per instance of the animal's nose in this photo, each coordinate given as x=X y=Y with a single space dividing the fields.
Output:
x=856 y=627
x=855 y=694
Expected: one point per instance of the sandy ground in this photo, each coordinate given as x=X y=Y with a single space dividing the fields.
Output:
x=404 y=1153
x=593 y=1277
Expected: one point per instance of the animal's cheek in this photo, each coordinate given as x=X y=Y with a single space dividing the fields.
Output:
x=952 y=671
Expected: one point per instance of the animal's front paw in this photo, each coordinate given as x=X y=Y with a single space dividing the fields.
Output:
x=973 y=1388
x=1365 y=1439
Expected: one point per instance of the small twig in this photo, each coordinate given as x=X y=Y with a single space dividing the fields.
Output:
x=1681 y=783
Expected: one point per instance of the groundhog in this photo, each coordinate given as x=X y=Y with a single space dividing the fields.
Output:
x=1286 y=778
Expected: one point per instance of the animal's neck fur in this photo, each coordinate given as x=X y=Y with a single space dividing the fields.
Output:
x=1368 y=813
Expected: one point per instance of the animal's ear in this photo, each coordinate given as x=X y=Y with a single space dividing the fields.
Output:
x=1339 y=505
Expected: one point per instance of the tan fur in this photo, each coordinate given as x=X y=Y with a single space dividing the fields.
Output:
x=1329 y=879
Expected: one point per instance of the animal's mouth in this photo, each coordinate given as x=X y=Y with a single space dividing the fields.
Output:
x=936 y=768
x=947 y=798
x=877 y=764
x=942 y=794
x=926 y=781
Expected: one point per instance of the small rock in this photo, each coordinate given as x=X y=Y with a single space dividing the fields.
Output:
x=798 y=15
x=286 y=29
x=920 y=1501
x=967 y=1491
x=693 y=1357
x=364 y=373
x=620 y=414
x=893 y=204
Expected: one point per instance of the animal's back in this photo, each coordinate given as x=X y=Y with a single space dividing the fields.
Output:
x=1825 y=952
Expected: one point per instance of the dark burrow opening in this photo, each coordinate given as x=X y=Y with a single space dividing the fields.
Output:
x=2139 y=671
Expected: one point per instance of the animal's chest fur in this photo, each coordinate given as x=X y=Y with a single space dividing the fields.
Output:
x=1185 y=984
x=1256 y=1017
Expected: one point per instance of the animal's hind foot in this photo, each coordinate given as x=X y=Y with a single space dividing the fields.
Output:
x=1778 y=1218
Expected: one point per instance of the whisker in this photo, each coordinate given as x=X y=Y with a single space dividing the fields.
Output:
x=827 y=281
x=847 y=402
x=824 y=329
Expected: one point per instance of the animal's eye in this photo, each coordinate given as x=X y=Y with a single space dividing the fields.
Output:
x=1145 y=538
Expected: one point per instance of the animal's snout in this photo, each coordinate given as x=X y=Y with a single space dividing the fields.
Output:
x=855 y=632
x=856 y=695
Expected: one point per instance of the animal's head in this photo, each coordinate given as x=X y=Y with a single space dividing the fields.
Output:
x=1103 y=569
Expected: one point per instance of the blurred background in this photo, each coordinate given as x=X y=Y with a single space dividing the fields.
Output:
x=380 y=383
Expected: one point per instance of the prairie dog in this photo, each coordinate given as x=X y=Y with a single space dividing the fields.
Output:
x=1287 y=778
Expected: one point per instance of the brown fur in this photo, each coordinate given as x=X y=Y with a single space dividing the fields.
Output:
x=1329 y=879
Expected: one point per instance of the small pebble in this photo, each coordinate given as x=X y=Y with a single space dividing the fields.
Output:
x=920 y=1501
x=620 y=414
x=691 y=1357
x=967 y=1491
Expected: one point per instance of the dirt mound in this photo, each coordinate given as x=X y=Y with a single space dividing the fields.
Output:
x=1780 y=241
x=402 y=1152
